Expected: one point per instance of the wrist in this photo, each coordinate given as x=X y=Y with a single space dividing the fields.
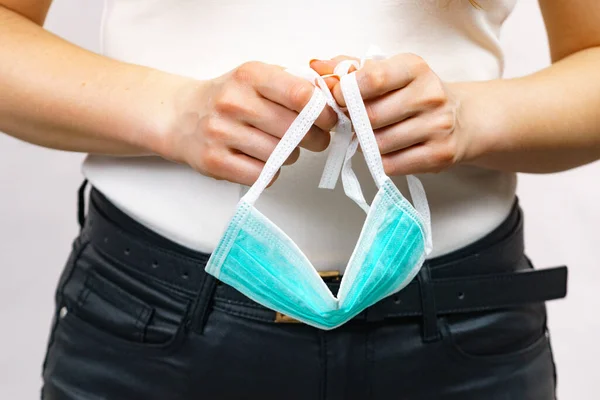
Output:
x=480 y=119
x=174 y=108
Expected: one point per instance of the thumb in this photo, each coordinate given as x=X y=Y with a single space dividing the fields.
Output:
x=339 y=59
x=323 y=67
x=331 y=81
x=326 y=67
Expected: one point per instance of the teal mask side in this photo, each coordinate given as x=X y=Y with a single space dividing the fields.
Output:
x=389 y=253
x=266 y=265
x=262 y=262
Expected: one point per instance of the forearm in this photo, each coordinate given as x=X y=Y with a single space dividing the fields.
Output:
x=57 y=95
x=545 y=122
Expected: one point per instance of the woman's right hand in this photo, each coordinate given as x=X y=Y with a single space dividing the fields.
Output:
x=227 y=128
x=71 y=99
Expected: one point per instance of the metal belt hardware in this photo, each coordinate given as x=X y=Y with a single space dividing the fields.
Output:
x=334 y=276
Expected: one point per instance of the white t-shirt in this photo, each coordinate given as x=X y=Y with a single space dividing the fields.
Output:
x=206 y=38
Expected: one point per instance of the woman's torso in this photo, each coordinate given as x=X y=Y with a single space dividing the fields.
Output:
x=206 y=38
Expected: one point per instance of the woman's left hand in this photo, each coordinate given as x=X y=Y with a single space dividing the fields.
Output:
x=415 y=116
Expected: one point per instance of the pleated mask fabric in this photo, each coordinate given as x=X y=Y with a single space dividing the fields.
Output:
x=258 y=259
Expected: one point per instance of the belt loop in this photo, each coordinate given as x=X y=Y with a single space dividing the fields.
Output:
x=203 y=300
x=431 y=331
x=81 y=203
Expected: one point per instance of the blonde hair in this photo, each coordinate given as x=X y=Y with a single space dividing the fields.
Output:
x=474 y=3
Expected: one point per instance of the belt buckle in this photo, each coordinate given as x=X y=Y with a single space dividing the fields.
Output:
x=284 y=319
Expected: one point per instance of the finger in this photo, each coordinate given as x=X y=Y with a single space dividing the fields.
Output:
x=259 y=145
x=339 y=59
x=274 y=178
x=323 y=67
x=293 y=157
x=422 y=158
x=327 y=119
x=275 y=120
x=326 y=67
x=252 y=142
x=420 y=96
x=400 y=136
x=245 y=170
x=293 y=93
x=237 y=167
x=392 y=108
x=378 y=77
x=331 y=81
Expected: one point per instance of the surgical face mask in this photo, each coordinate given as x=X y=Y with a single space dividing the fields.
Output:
x=258 y=259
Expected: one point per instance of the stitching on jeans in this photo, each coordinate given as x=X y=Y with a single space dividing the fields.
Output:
x=83 y=295
x=201 y=306
x=122 y=299
x=243 y=314
x=141 y=326
x=239 y=303
x=78 y=247
x=138 y=324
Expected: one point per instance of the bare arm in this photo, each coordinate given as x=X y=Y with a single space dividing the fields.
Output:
x=55 y=94
x=548 y=121
x=545 y=122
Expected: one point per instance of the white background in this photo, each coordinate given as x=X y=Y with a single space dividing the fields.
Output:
x=38 y=223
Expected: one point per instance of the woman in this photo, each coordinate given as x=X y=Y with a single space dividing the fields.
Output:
x=178 y=119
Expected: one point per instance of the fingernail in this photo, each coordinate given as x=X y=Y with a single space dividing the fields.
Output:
x=334 y=76
x=312 y=60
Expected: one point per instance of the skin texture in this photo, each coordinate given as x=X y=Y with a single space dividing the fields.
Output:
x=71 y=99
x=545 y=122
x=237 y=120
x=67 y=98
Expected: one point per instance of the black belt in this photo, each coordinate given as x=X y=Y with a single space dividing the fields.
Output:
x=491 y=274
x=451 y=295
x=477 y=293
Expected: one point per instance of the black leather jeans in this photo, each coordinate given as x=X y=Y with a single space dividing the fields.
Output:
x=137 y=318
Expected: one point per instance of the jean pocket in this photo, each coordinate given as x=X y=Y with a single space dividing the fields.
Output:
x=112 y=309
x=111 y=304
x=500 y=336
x=78 y=246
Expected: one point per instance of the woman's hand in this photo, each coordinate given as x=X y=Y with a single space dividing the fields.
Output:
x=228 y=127
x=71 y=99
x=413 y=113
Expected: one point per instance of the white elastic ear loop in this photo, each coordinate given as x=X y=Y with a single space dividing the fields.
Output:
x=339 y=142
x=362 y=127
x=351 y=183
x=417 y=192
x=343 y=130
x=290 y=140
x=344 y=67
x=419 y=199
